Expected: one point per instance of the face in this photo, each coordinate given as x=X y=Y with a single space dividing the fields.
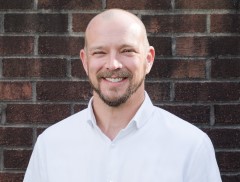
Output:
x=116 y=61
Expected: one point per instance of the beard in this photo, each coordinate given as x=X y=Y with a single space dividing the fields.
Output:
x=115 y=102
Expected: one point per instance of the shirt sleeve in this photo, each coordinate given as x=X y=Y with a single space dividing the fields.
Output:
x=203 y=165
x=36 y=171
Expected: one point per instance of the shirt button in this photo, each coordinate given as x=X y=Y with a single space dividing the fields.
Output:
x=112 y=145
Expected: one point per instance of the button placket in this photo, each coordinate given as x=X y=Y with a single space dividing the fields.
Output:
x=112 y=166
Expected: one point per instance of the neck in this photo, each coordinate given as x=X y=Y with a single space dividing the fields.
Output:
x=112 y=119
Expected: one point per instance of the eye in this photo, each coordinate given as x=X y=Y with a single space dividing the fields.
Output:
x=128 y=50
x=98 y=53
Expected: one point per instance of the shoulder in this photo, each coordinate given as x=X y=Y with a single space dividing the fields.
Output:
x=175 y=127
x=71 y=124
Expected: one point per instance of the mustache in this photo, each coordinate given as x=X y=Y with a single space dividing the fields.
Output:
x=115 y=73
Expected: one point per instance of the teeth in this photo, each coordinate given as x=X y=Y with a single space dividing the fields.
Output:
x=114 y=79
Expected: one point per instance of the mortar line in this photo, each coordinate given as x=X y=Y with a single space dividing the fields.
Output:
x=70 y=27
x=208 y=23
x=35 y=5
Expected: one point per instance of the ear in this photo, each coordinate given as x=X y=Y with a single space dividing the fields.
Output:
x=150 y=58
x=83 y=57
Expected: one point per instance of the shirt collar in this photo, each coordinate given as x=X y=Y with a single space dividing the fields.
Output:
x=140 y=118
x=144 y=112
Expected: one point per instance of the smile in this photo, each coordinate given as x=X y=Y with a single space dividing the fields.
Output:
x=114 y=79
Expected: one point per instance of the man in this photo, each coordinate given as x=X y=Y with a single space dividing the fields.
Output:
x=121 y=136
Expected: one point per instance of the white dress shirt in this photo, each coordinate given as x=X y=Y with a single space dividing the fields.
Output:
x=156 y=146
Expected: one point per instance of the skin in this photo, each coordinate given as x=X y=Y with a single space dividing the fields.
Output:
x=116 y=58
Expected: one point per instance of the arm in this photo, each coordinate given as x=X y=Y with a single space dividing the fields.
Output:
x=203 y=165
x=36 y=171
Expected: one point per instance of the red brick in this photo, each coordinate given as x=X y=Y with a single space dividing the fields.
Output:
x=63 y=91
x=15 y=91
x=60 y=45
x=228 y=161
x=11 y=136
x=162 y=45
x=80 y=21
x=178 y=69
x=225 y=68
x=34 y=68
x=78 y=70
x=158 y=91
x=16 y=45
x=204 y=4
x=32 y=113
x=227 y=114
x=16 y=4
x=16 y=159
x=175 y=23
x=79 y=107
x=207 y=91
x=225 y=23
x=11 y=177
x=36 y=23
x=224 y=138
x=142 y=4
x=192 y=114
x=70 y=4
x=207 y=46
x=231 y=178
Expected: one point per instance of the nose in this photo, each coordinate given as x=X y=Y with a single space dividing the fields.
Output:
x=113 y=62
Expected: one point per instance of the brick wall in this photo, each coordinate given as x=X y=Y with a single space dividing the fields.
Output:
x=196 y=74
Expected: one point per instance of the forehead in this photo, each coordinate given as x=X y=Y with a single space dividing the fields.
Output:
x=114 y=32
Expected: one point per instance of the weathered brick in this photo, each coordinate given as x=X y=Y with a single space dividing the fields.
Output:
x=204 y=4
x=16 y=159
x=16 y=4
x=192 y=114
x=174 y=23
x=162 y=45
x=70 y=4
x=15 y=91
x=36 y=23
x=63 y=91
x=158 y=91
x=225 y=68
x=177 y=69
x=228 y=161
x=136 y=4
x=79 y=107
x=34 y=68
x=11 y=177
x=225 y=23
x=207 y=46
x=207 y=91
x=231 y=178
x=80 y=21
x=224 y=138
x=77 y=69
x=227 y=114
x=60 y=45
x=36 y=113
x=15 y=45
x=13 y=136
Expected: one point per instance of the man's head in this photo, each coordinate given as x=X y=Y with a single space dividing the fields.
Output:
x=116 y=56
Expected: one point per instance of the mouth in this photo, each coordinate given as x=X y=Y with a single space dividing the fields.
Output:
x=114 y=80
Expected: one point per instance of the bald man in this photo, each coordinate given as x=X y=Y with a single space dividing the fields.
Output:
x=121 y=136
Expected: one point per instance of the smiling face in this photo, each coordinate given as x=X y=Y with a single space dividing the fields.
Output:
x=116 y=57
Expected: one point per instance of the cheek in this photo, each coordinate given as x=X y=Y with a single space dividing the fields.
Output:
x=94 y=67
